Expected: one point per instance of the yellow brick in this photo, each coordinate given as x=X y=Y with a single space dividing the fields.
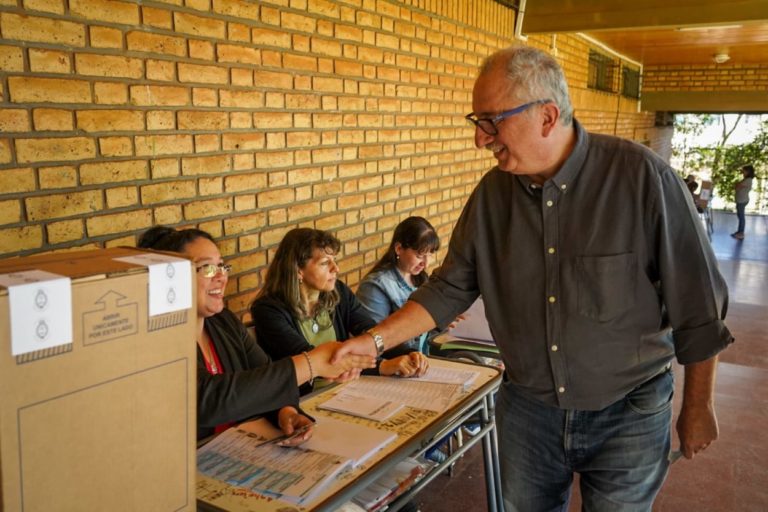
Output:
x=164 y=168
x=44 y=90
x=201 y=50
x=210 y=208
x=11 y=59
x=112 y=172
x=115 y=146
x=269 y=37
x=49 y=61
x=64 y=176
x=160 y=120
x=245 y=182
x=167 y=191
x=237 y=8
x=120 y=241
x=10 y=212
x=242 y=141
x=207 y=142
x=121 y=196
x=63 y=205
x=119 y=222
x=104 y=37
x=210 y=186
x=41 y=30
x=298 y=22
x=300 y=62
x=242 y=77
x=54 y=6
x=162 y=70
x=203 y=74
x=159 y=95
x=272 y=79
x=108 y=66
x=20 y=239
x=58 y=149
x=108 y=93
x=170 y=214
x=302 y=102
x=14 y=120
x=216 y=164
x=198 y=25
x=159 y=18
x=65 y=231
x=297 y=212
x=110 y=120
x=203 y=97
x=156 y=43
x=163 y=145
x=276 y=197
x=17 y=180
x=272 y=120
x=106 y=10
x=239 y=32
x=238 y=54
x=326 y=47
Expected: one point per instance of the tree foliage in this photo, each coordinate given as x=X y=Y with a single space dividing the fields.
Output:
x=722 y=161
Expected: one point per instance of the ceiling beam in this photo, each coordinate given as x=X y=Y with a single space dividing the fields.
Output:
x=557 y=16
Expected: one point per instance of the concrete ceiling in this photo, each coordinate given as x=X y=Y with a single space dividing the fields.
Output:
x=661 y=32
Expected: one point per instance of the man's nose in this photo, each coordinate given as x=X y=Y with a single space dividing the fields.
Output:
x=481 y=138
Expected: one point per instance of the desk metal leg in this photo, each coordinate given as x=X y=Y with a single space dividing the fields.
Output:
x=490 y=400
x=490 y=457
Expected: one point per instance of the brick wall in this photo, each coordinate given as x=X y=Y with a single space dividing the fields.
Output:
x=249 y=118
x=712 y=77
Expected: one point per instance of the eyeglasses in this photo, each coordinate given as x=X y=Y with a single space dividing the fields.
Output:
x=490 y=125
x=211 y=269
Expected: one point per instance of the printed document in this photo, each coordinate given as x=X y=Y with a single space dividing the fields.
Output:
x=434 y=396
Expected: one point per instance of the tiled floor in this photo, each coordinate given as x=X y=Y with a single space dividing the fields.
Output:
x=732 y=474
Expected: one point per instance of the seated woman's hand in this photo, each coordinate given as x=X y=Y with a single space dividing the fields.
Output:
x=456 y=320
x=291 y=421
x=414 y=364
x=322 y=366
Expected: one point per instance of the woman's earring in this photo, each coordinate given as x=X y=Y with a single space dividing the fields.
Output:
x=397 y=257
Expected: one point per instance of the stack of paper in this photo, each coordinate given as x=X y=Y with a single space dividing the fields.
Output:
x=368 y=407
x=450 y=376
x=433 y=396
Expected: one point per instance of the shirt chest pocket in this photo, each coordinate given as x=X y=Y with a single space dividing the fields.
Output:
x=606 y=285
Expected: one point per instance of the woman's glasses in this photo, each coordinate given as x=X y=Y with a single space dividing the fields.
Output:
x=211 y=269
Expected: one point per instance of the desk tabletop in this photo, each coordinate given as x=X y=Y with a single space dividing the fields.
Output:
x=414 y=428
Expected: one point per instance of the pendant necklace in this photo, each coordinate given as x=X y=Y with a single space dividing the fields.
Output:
x=315 y=326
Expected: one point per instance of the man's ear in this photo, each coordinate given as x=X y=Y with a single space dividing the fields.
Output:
x=550 y=116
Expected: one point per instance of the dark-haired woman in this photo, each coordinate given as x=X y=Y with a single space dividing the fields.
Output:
x=742 y=189
x=235 y=378
x=398 y=273
x=303 y=305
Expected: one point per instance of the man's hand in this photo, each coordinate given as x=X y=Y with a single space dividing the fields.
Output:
x=350 y=362
x=697 y=424
x=359 y=345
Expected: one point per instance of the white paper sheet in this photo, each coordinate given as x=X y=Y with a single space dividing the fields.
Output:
x=449 y=376
x=433 y=396
x=474 y=326
x=40 y=310
x=170 y=284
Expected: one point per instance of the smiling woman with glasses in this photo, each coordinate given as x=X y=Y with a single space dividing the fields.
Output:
x=490 y=124
x=235 y=378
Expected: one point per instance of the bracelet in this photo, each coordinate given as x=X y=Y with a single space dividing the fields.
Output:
x=311 y=371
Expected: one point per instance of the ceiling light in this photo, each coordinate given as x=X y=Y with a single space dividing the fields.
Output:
x=721 y=58
x=707 y=27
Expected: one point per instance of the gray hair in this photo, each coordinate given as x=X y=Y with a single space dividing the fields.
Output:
x=534 y=75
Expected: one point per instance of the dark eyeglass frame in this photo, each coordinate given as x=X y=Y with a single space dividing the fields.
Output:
x=489 y=125
x=211 y=269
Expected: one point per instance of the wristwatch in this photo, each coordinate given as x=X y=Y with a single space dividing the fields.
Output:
x=378 y=340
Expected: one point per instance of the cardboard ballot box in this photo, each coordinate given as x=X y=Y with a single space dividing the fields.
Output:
x=107 y=420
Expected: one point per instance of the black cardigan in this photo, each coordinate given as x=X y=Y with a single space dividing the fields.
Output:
x=279 y=333
x=251 y=384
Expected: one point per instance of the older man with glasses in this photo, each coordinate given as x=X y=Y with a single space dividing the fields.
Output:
x=595 y=274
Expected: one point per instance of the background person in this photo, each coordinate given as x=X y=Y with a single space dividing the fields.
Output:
x=303 y=304
x=402 y=269
x=235 y=378
x=595 y=273
x=742 y=198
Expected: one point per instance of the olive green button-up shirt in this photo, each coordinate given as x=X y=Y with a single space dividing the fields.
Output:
x=593 y=281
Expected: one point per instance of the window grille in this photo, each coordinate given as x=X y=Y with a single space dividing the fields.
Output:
x=601 y=72
x=630 y=82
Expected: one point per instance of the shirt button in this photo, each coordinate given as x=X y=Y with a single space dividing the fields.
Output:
x=552 y=300
x=561 y=389
x=563 y=186
x=554 y=348
x=550 y=203
x=551 y=250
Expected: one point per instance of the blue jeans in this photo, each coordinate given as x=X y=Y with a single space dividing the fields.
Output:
x=740 y=209
x=620 y=452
